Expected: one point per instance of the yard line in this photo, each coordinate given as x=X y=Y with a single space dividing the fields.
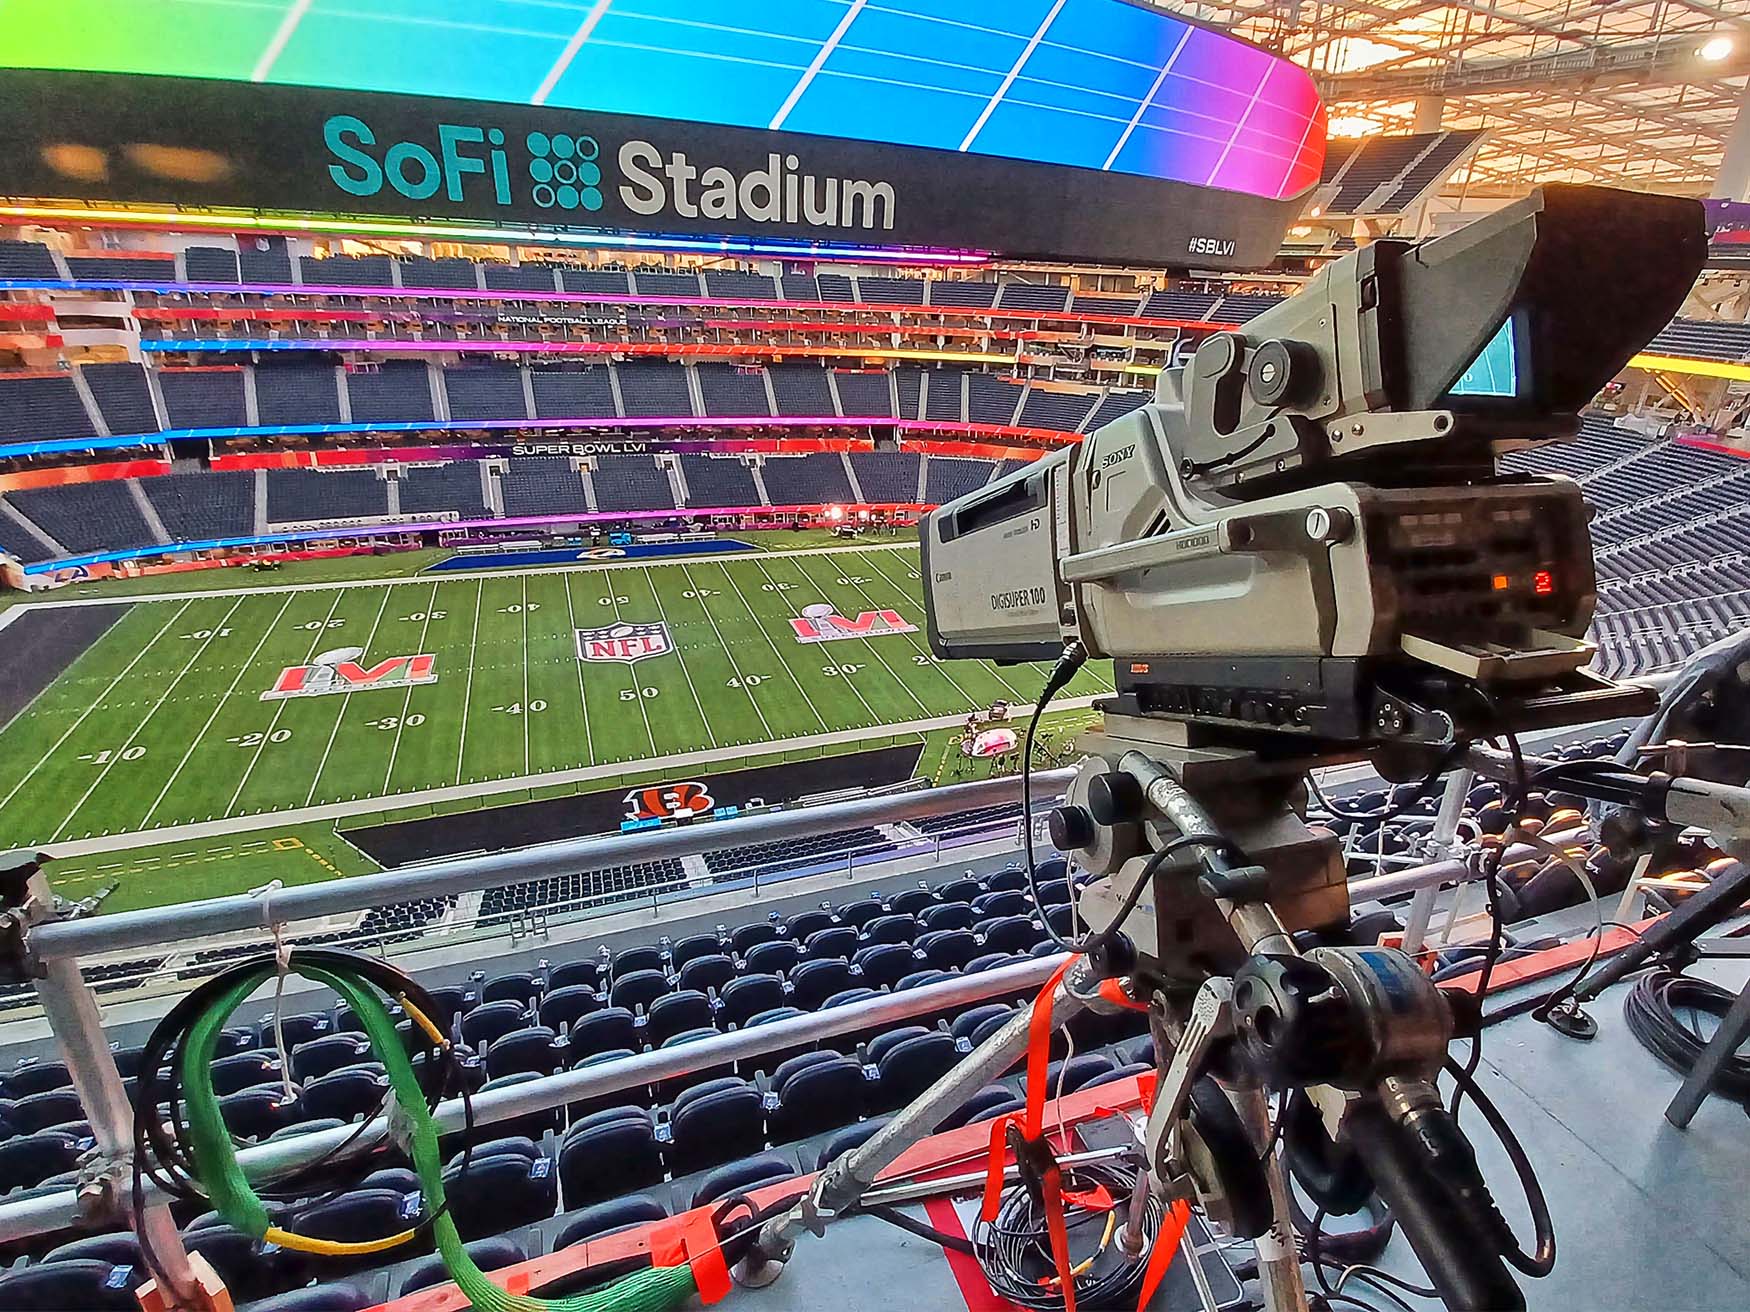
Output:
x=163 y=697
x=921 y=650
x=807 y=700
x=733 y=663
x=468 y=690
x=995 y=670
x=242 y=669
x=526 y=712
x=871 y=648
x=874 y=719
x=685 y=673
x=632 y=673
x=101 y=697
x=583 y=701
x=344 y=703
x=407 y=701
x=279 y=709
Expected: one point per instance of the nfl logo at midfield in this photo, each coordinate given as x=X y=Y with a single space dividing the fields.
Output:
x=623 y=642
x=821 y=623
x=340 y=671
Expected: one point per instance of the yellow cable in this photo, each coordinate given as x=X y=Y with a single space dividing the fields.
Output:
x=334 y=1247
x=423 y=1021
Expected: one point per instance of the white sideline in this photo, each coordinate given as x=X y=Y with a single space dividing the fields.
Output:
x=397 y=801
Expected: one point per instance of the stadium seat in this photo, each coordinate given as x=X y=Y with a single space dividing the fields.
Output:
x=247 y=1269
x=839 y=941
x=706 y=972
x=910 y=901
x=586 y=1107
x=86 y=1285
x=488 y=1254
x=959 y=890
x=318 y=1298
x=976 y=1019
x=346 y=1094
x=509 y=1145
x=519 y=986
x=885 y=964
x=847 y=1140
x=948 y=949
x=244 y=1070
x=778 y=957
x=564 y=1007
x=879 y=1046
x=821 y=1093
x=890 y=929
x=1004 y=902
x=448 y=1004
x=778 y=1056
x=813 y=982
x=300 y=1028
x=688 y=950
x=238 y=1038
x=500 y=1192
x=638 y=989
x=127 y=1059
x=746 y=997
x=747 y=937
x=119 y=1249
x=1078 y=1071
x=977 y=1107
x=492 y=1020
x=669 y=1089
x=609 y=1218
x=630 y=961
x=609 y=1153
x=1055 y=893
x=921 y=979
x=675 y=1013
x=799 y=926
x=358 y=1215
x=43 y=1111
x=862 y=911
x=536 y=1049
x=1008 y=934
x=568 y=973
x=403 y=1178
x=1061 y=916
x=318 y=1057
x=1123 y=1072
x=258 y=1113
x=948 y=915
x=741 y=1177
x=35 y=1077
x=531 y=1125
x=713 y=1123
x=908 y=1068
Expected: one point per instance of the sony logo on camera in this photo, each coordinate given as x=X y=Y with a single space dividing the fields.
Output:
x=562 y=171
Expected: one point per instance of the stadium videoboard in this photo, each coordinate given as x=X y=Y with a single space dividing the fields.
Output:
x=1079 y=129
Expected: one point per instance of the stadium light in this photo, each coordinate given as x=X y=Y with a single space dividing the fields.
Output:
x=1351 y=125
x=1716 y=48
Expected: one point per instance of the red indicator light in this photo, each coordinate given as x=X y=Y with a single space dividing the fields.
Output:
x=1543 y=583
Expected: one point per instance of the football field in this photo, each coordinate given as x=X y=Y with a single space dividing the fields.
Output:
x=386 y=689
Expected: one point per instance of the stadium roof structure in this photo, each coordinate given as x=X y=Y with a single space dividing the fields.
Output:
x=1632 y=92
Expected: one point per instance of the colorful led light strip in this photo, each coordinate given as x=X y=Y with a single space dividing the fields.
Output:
x=464 y=345
x=583 y=239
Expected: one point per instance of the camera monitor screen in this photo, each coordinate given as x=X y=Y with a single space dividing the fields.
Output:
x=1495 y=371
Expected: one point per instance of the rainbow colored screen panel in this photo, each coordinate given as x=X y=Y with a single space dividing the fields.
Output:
x=1098 y=84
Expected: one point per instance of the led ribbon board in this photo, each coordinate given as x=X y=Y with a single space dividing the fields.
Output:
x=1094 y=129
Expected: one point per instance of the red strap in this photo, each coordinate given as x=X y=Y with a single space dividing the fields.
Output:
x=1112 y=990
x=999 y=1156
x=1039 y=1051
x=691 y=1240
x=1059 y=1232
x=1097 y=1199
x=1166 y=1247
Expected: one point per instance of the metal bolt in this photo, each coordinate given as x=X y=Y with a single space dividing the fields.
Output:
x=1318 y=523
x=1357 y=428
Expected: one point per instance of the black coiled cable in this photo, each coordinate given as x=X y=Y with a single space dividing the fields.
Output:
x=1652 y=1010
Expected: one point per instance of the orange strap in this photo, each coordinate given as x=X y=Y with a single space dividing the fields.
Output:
x=1166 y=1247
x=1056 y=1228
x=1039 y=1051
x=993 y=1177
x=691 y=1240
x=1112 y=990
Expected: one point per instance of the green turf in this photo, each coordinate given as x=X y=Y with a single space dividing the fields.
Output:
x=161 y=722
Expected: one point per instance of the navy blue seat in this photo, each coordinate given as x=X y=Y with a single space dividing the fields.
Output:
x=607 y=1154
x=921 y=979
x=318 y=1298
x=688 y=950
x=908 y=1068
x=1052 y=867
x=357 y=1215
x=531 y=1125
x=403 y=1178
x=848 y=996
x=1004 y=902
x=885 y=964
x=487 y=1254
x=862 y=911
x=778 y=957
x=991 y=961
x=747 y=937
x=35 y=1077
x=609 y=1218
x=840 y=941
x=1078 y=1072
x=1061 y=916
x=711 y=971
x=675 y=1013
x=243 y=1071
x=1009 y=934
x=883 y=1043
x=780 y=1055
x=751 y=994
x=587 y=971
x=448 y=1003
x=258 y=1113
x=121 y=1249
x=978 y=1106
x=536 y=1049
x=1010 y=877
x=818 y=1092
x=890 y=929
x=247 y=1270
x=238 y=1038
x=948 y=915
x=518 y=986
x=127 y=1058
x=799 y=926
x=1142 y=1049
x=1055 y=893
x=601 y=1031
x=713 y=1123
x=974 y=1020
x=628 y=961
x=847 y=1140
x=86 y=1285
x=297 y=1029
x=963 y=889
x=1123 y=1072
x=562 y=1008
x=493 y=1020
x=948 y=949
x=667 y=1090
x=638 y=989
x=43 y=1111
x=320 y=1056
x=740 y=1177
x=346 y=1094
x=509 y=1145
x=910 y=901
x=586 y=1107
x=500 y=1192
x=813 y=982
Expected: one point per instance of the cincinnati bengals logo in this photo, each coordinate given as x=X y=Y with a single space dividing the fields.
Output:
x=679 y=801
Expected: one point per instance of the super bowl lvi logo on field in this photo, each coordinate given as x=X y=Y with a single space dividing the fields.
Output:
x=623 y=642
x=341 y=670
x=821 y=623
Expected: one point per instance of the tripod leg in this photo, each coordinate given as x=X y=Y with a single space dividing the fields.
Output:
x=1278 y=1257
x=1734 y=1029
x=849 y=1178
